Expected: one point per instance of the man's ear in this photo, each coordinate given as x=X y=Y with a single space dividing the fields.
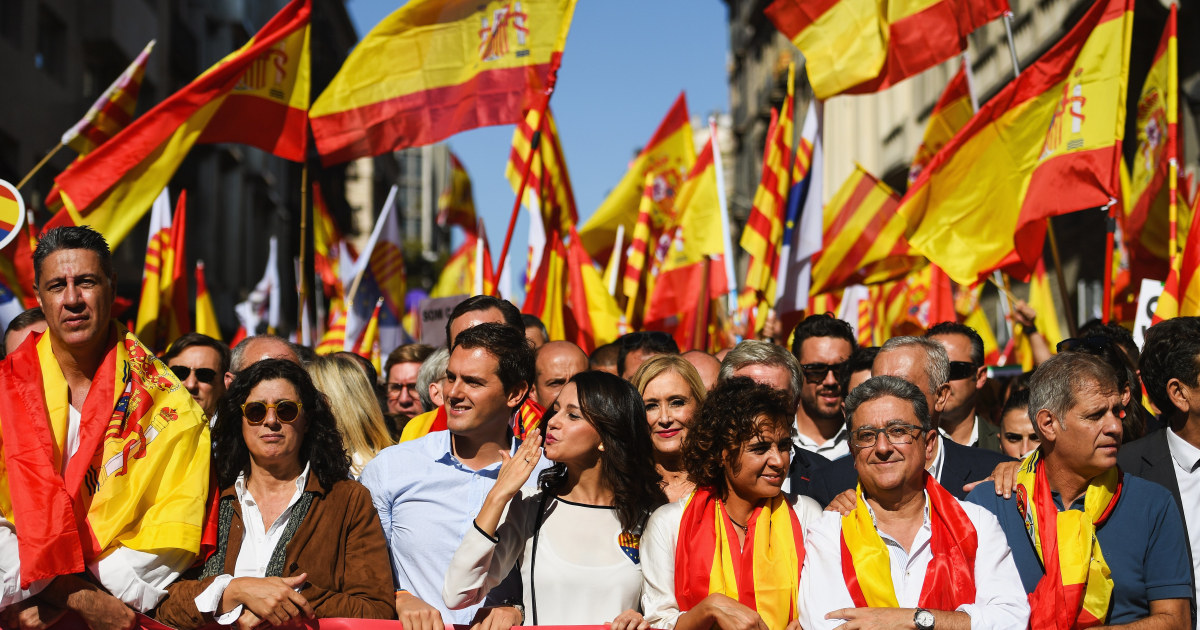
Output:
x=941 y=398
x=517 y=395
x=930 y=439
x=1177 y=392
x=1046 y=425
x=981 y=377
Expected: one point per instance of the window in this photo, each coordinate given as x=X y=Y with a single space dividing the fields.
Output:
x=10 y=21
x=51 y=55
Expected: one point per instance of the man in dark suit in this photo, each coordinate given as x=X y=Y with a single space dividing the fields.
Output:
x=924 y=363
x=959 y=420
x=1170 y=456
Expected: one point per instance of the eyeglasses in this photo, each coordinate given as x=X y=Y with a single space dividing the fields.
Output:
x=962 y=369
x=396 y=388
x=285 y=410
x=204 y=375
x=899 y=433
x=815 y=372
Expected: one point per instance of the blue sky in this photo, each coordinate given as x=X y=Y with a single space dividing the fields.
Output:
x=625 y=63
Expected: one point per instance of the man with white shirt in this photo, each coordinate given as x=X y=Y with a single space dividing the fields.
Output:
x=959 y=420
x=1170 y=370
x=96 y=428
x=909 y=554
x=823 y=345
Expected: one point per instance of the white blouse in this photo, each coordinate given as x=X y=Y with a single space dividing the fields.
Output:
x=577 y=574
x=659 y=605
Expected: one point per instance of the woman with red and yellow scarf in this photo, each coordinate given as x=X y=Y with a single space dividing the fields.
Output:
x=743 y=547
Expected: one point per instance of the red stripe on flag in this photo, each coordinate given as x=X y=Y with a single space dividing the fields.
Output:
x=861 y=190
x=269 y=125
x=793 y=16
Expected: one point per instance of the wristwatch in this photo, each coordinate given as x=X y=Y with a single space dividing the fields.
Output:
x=923 y=619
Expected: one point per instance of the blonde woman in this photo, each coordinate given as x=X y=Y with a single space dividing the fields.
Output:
x=672 y=391
x=354 y=406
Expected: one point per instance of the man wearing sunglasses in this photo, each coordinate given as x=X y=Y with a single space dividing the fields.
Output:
x=968 y=375
x=823 y=345
x=200 y=363
x=98 y=439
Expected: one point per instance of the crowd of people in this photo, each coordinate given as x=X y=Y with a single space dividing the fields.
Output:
x=510 y=479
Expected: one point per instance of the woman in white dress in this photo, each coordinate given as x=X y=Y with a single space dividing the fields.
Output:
x=672 y=392
x=575 y=538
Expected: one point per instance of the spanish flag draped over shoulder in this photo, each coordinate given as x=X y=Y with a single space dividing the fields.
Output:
x=147 y=484
x=1048 y=143
x=163 y=310
x=667 y=158
x=114 y=185
x=951 y=113
x=860 y=46
x=434 y=68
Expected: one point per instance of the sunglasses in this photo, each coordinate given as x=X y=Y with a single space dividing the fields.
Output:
x=815 y=372
x=204 y=375
x=962 y=369
x=285 y=410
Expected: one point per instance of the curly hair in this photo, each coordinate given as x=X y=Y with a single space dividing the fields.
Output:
x=614 y=408
x=736 y=410
x=322 y=447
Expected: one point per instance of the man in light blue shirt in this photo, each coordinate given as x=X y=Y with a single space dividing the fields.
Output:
x=429 y=490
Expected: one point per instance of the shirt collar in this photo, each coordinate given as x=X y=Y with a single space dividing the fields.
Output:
x=974 y=432
x=1185 y=455
x=239 y=486
x=935 y=467
x=842 y=435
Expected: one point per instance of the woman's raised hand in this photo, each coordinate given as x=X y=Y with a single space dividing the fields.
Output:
x=515 y=469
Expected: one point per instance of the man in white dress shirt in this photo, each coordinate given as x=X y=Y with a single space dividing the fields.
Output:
x=947 y=563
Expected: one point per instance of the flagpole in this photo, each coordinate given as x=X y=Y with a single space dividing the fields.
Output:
x=1173 y=148
x=1062 y=282
x=534 y=141
x=305 y=289
x=37 y=167
x=1110 y=228
x=1012 y=47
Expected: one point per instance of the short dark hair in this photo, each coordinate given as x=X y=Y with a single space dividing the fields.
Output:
x=512 y=315
x=822 y=325
x=955 y=328
x=1171 y=350
x=863 y=358
x=22 y=321
x=407 y=353
x=1017 y=400
x=604 y=356
x=72 y=237
x=532 y=321
x=509 y=346
x=196 y=339
x=1114 y=332
x=653 y=341
x=322 y=447
x=878 y=387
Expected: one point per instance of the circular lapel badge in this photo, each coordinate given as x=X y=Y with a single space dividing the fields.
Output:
x=12 y=213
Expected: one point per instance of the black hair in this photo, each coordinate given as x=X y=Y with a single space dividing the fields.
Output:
x=518 y=362
x=615 y=409
x=532 y=321
x=604 y=356
x=72 y=237
x=193 y=339
x=511 y=314
x=1017 y=400
x=1171 y=350
x=863 y=358
x=822 y=325
x=22 y=321
x=955 y=328
x=322 y=448
x=652 y=341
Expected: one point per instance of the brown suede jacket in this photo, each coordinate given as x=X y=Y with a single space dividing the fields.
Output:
x=340 y=545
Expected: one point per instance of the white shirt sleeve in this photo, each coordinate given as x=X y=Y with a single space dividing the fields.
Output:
x=209 y=601
x=139 y=578
x=657 y=550
x=1000 y=599
x=10 y=569
x=481 y=563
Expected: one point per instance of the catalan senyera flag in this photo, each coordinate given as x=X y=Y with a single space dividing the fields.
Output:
x=381 y=274
x=763 y=235
x=688 y=281
x=655 y=216
x=549 y=187
x=1048 y=143
x=1146 y=223
x=802 y=231
x=1181 y=293
x=456 y=204
x=860 y=46
x=163 y=311
x=206 y=315
x=951 y=113
x=334 y=339
x=863 y=236
x=114 y=185
x=434 y=68
x=667 y=157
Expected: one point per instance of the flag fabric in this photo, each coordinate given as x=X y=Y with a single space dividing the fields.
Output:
x=860 y=46
x=763 y=234
x=667 y=157
x=206 y=315
x=1146 y=224
x=863 y=236
x=805 y=212
x=569 y=295
x=114 y=185
x=162 y=315
x=17 y=292
x=1041 y=299
x=951 y=113
x=380 y=273
x=1181 y=293
x=641 y=258
x=456 y=204
x=1048 y=143
x=367 y=345
x=264 y=301
x=548 y=190
x=330 y=248
x=112 y=111
x=434 y=68
x=334 y=339
x=458 y=276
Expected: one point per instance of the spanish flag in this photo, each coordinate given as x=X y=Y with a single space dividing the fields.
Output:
x=456 y=204
x=367 y=345
x=434 y=68
x=1048 y=143
x=569 y=295
x=860 y=46
x=1181 y=294
x=327 y=250
x=163 y=311
x=206 y=315
x=667 y=157
x=950 y=113
x=114 y=185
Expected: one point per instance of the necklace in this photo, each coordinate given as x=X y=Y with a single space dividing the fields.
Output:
x=739 y=525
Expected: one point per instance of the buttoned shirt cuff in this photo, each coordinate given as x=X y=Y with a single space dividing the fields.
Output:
x=209 y=600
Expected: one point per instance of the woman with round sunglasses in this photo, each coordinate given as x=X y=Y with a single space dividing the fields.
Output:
x=576 y=537
x=729 y=555
x=671 y=391
x=296 y=537
x=354 y=406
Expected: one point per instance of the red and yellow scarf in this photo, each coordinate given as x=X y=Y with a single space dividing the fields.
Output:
x=1077 y=588
x=140 y=476
x=950 y=577
x=763 y=574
